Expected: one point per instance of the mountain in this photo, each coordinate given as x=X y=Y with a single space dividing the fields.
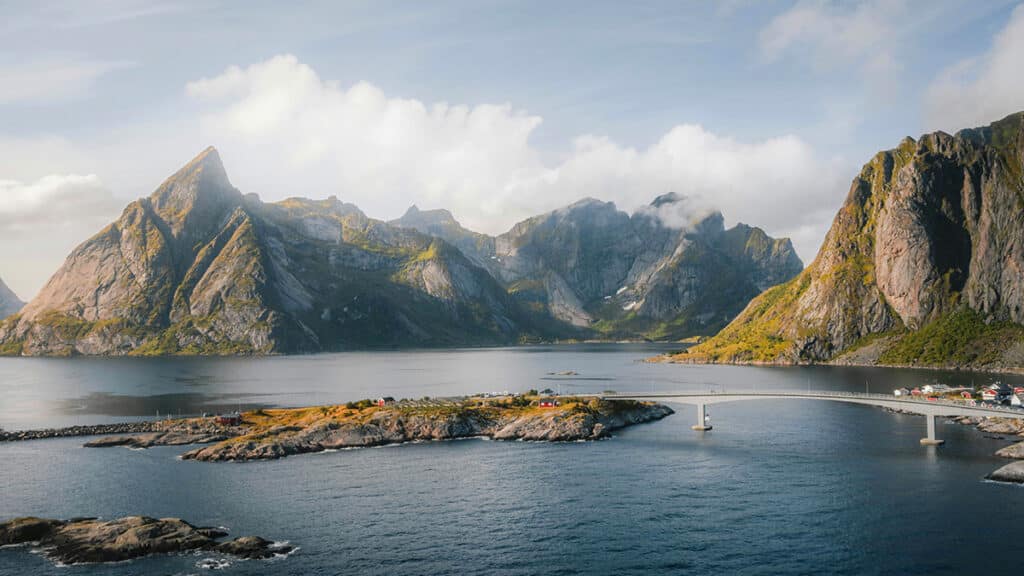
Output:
x=923 y=265
x=441 y=224
x=200 y=268
x=620 y=275
x=9 y=301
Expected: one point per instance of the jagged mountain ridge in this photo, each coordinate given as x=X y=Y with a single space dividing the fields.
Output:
x=596 y=267
x=199 y=268
x=923 y=265
x=9 y=301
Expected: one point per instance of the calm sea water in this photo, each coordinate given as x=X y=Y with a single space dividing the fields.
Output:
x=778 y=487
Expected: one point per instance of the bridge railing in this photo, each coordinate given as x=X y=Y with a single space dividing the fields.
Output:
x=833 y=394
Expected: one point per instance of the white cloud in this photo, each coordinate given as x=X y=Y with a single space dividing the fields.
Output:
x=978 y=91
x=835 y=34
x=283 y=131
x=41 y=221
x=51 y=78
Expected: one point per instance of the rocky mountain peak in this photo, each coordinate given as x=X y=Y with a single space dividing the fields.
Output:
x=667 y=198
x=201 y=184
x=415 y=217
x=9 y=301
x=921 y=265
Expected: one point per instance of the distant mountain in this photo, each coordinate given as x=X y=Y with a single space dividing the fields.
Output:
x=923 y=265
x=621 y=276
x=198 y=268
x=9 y=301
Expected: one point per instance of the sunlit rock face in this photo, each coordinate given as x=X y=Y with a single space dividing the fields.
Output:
x=198 y=268
x=667 y=271
x=927 y=251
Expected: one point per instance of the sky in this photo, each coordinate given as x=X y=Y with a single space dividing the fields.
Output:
x=495 y=109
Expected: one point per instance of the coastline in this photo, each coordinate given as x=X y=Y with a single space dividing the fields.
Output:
x=672 y=359
x=268 y=434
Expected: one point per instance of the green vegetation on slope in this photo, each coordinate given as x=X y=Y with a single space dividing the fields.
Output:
x=959 y=338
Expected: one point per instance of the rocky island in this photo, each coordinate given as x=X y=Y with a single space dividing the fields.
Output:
x=89 y=540
x=276 y=433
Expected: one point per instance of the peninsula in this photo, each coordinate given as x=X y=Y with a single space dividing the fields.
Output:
x=277 y=433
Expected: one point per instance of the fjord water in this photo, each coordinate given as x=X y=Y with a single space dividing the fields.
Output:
x=778 y=487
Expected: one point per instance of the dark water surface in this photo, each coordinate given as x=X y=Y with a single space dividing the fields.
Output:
x=778 y=487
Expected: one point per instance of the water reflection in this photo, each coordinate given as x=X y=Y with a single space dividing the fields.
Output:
x=187 y=404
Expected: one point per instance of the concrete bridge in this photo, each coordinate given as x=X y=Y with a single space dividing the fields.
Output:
x=928 y=408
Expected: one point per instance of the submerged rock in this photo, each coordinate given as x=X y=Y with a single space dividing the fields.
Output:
x=1012 y=451
x=84 y=541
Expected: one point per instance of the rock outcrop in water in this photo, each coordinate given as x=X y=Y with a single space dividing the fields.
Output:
x=86 y=541
x=922 y=266
x=271 y=434
x=1012 y=472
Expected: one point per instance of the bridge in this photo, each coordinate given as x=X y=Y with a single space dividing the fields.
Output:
x=928 y=408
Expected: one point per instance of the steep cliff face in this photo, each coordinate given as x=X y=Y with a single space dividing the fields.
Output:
x=617 y=275
x=9 y=301
x=626 y=275
x=199 y=268
x=924 y=264
x=441 y=224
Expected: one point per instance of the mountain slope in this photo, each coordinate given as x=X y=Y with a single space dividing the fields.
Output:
x=622 y=276
x=924 y=264
x=199 y=268
x=9 y=301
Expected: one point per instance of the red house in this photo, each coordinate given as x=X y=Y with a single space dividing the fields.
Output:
x=547 y=403
x=385 y=401
x=966 y=394
x=229 y=419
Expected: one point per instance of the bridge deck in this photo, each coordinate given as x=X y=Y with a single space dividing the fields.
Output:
x=908 y=404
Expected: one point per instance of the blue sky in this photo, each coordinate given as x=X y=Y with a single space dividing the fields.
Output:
x=495 y=109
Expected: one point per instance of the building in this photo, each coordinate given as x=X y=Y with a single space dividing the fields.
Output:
x=385 y=401
x=233 y=419
x=547 y=403
x=989 y=395
x=901 y=392
x=966 y=395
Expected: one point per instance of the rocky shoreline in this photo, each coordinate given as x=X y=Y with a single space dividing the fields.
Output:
x=677 y=358
x=272 y=434
x=90 y=541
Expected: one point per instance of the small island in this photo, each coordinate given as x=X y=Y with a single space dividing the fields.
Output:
x=89 y=540
x=277 y=433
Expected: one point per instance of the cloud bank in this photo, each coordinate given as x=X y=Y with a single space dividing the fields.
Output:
x=42 y=221
x=980 y=90
x=283 y=130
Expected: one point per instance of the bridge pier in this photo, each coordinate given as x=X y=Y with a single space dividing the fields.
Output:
x=702 y=424
x=931 y=440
